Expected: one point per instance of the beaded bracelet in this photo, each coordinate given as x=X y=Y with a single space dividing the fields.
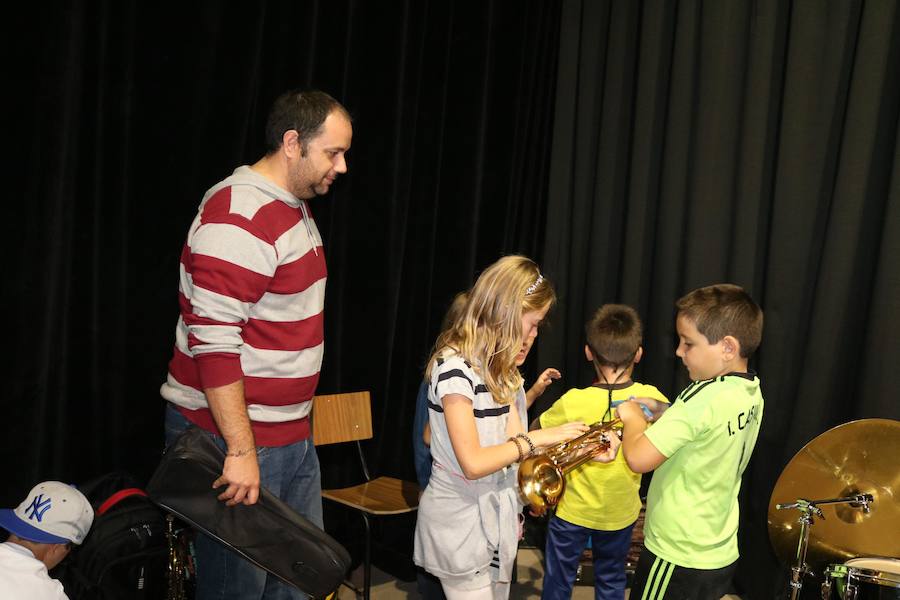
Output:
x=515 y=440
x=527 y=439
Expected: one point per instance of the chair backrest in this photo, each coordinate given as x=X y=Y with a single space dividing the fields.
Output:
x=342 y=418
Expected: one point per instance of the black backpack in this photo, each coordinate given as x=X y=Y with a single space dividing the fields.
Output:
x=125 y=554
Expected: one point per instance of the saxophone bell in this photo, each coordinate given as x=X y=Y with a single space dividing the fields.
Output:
x=542 y=476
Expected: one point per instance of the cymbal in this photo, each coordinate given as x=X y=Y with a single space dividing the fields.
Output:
x=860 y=457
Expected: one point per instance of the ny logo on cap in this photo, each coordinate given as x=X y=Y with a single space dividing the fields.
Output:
x=38 y=507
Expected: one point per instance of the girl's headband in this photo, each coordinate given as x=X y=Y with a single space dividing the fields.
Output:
x=531 y=288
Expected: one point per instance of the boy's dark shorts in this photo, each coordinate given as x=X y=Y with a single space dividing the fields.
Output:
x=657 y=579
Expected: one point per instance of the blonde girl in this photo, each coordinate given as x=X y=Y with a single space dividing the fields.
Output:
x=467 y=529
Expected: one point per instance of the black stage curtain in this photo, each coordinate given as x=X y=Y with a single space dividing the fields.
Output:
x=750 y=142
x=124 y=113
x=693 y=142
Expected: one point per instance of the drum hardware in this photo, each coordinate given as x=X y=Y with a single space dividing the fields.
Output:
x=809 y=509
x=864 y=578
x=854 y=468
x=542 y=476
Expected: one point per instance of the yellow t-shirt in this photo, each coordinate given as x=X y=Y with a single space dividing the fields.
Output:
x=598 y=496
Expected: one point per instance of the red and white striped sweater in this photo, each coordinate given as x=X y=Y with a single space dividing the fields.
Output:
x=252 y=294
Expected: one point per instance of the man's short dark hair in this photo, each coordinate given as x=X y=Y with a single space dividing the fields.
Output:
x=304 y=111
x=614 y=335
x=724 y=309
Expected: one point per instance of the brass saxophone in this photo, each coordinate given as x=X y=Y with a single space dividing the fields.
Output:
x=542 y=476
x=175 y=574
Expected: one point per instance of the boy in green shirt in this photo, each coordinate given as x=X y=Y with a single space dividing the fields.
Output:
x=601 y=502
x=699 y=448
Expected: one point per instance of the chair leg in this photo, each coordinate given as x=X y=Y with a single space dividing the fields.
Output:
x=367 y=565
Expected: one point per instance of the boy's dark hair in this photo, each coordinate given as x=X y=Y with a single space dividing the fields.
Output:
x=724 y=309
x=614 y=335
x=304 y=112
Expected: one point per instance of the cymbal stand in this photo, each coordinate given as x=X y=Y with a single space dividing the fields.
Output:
x=809 y=509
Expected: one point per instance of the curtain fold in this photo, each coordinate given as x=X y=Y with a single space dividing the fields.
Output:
x=751 y=142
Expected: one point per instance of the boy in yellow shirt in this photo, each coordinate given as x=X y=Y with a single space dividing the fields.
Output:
x=601 y=501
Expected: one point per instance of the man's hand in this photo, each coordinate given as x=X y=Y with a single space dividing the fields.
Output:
x=241 y=470
x=241 y=475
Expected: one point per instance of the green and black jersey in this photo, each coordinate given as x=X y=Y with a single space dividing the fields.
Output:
x=707 y=435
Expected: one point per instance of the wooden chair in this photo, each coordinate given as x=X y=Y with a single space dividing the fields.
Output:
x=339 y=418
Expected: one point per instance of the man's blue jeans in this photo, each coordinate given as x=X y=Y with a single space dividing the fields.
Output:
x=289 y=472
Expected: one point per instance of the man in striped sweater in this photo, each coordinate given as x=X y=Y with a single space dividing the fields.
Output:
x=249 y=340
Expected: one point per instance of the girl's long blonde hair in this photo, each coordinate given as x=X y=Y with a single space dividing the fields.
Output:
x=488 y=332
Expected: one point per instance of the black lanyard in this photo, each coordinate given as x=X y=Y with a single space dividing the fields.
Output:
x=610 y=387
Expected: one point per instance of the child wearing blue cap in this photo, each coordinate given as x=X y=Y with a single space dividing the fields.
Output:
x=42 y=530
